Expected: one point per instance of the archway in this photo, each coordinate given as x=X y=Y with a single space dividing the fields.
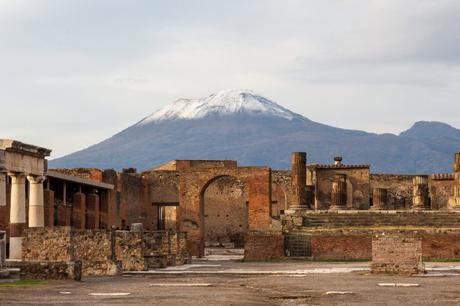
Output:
x=225 y=213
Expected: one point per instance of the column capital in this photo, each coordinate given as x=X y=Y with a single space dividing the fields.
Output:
x=36 y=179
x=17 y=177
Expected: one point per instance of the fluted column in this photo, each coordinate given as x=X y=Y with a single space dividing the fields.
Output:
x=17 y=213
x=420 y=198
x=380 y=199
x=299 y=180
x=339 y=192
x=36 y=204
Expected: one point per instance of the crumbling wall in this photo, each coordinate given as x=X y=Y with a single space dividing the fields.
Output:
x=281 y=192
x=441 y=188
x=397 y=254
x=129 y=248
x=399 y=189
x=357 y=177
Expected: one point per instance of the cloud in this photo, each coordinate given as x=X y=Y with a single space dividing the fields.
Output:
x=94 y=67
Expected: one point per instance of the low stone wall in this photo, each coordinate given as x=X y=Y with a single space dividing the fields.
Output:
x=105 y=252
x=397 y=255
x=263 y=246
x=129 y=248
x=55 y=270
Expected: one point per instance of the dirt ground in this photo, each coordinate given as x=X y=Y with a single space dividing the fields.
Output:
x=282 y=284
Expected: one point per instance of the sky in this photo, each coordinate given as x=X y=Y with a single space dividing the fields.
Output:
x=75 y=72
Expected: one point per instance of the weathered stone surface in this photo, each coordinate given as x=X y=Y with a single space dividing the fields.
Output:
x=53 y=270
x=397 y=254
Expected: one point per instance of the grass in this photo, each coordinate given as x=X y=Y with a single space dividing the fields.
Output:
x=23 y=283
x=442 y=260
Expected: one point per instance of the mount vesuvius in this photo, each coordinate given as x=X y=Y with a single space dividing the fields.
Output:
x=243 y=126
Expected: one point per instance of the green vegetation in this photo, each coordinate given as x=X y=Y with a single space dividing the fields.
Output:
x=23 y=283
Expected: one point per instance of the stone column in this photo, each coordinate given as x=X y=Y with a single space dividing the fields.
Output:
x=92 y=211
x=339 y=192
x=457 y=181
x=36 y=198
x=17 y=213
x=2 y=189
x=380 y=199
x=310 y=190
x=299 y=180
x=420 y=199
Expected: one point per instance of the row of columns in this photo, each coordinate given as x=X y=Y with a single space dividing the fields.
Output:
x=18 y=208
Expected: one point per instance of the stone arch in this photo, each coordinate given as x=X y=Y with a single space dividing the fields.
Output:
x=194 y=181
x=279 y=200
x=225 y=211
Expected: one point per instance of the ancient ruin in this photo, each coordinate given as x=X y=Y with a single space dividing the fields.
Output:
x=162 y=216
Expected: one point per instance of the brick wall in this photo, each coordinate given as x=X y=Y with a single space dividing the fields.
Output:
x=441 y=246
x=263 y=246
x=397 y=255
x=340 y=247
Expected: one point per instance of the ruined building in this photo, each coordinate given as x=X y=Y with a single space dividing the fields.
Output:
x=218 y=203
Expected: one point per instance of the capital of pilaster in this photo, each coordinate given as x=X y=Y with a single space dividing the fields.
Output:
x=36 y=179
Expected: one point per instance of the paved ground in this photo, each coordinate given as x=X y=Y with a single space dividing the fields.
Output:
x=237 y=283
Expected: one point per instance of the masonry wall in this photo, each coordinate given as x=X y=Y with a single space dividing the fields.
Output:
x=263 y=246
x=397 y=254
x=99 y=250
x=399 y=189
x=441 y=190
x=225 y=212
x=358 y=187
x=281 y=192
x=338 y=247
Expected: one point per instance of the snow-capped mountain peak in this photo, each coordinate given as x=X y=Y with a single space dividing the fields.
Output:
x=221 y=103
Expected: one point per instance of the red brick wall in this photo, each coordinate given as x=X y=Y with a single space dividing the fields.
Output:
x=341 y=247
x=441 y=246
x=263 y=246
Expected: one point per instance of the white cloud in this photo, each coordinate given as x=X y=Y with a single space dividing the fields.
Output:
x=91 y=68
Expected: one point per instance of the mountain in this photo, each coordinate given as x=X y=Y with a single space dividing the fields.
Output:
x=244 y=126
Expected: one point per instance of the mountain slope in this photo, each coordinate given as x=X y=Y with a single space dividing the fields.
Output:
x=253 y=130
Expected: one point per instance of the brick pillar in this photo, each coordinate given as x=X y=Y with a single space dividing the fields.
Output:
x=79 y=210
x=420 y=193
x=49 y=207
x=339 y=192
x=93 y=206
x=380 y=199
x=299 y=180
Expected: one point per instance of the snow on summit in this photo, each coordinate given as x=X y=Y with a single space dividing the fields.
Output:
x=221 y=103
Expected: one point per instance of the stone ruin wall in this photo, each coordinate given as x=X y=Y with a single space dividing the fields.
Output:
x=357 y=187
x=441 y=189
x=100 y=250
x=225 y=212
